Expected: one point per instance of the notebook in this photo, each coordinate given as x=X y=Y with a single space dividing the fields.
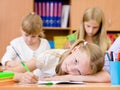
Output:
x=4 y=75
x=57 y=82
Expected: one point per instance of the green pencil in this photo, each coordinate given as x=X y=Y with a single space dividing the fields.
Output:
x=25 y=66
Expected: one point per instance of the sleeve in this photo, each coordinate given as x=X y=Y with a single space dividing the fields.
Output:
x=41 y=60
x=9 y=55
x=45 y=44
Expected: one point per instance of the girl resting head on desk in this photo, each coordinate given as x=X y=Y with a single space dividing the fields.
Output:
x=82 y=59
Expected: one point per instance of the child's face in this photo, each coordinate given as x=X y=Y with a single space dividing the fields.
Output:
x=91 y=27
x=77 y=63
x=30 y=39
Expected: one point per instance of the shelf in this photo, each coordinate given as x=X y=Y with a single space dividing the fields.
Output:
x=53 y=29
x=114 y=31
x=50 y=28
x=51 y=33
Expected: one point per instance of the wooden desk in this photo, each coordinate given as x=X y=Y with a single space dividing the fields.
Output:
x=87 y=86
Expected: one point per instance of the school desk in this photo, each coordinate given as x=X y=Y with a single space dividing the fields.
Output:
x=86 y=86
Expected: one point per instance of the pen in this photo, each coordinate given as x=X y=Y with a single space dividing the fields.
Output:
x=16 y=53
x=111 y=54
x=48 y=83
x=108 y=56
x=23 y=64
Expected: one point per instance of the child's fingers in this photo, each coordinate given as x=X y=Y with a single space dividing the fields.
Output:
x=29 y=78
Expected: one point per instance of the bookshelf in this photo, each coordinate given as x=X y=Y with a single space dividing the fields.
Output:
x=47 y=11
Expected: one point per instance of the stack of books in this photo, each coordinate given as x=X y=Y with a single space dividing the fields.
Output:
x=6 y=78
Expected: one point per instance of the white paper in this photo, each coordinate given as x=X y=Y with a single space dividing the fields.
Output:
x=58 y=82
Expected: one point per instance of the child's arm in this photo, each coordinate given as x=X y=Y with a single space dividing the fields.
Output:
x=101 y=76
x=19 y=68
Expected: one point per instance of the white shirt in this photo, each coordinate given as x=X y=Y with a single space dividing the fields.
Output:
x=23 y=50
x=47 y=62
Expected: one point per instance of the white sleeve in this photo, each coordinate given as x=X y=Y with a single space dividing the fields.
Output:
x=9 y=55
x=40 y=61
x=46 y=44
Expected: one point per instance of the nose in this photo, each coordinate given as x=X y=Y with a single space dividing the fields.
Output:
x=29 y=38
x=90 y=30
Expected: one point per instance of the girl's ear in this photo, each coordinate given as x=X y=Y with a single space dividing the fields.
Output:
x=75 y=48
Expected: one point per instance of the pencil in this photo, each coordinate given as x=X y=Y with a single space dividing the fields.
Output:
x=23 y=64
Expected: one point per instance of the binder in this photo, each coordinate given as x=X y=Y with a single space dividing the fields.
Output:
x=65 y=15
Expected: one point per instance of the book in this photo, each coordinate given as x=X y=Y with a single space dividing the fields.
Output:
x=59 y=41
x=65 y=15
x=57 y=82
x=59 y=12
x=4 y=75
x=6 y=78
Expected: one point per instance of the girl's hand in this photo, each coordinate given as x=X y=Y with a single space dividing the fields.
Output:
x=28 y=78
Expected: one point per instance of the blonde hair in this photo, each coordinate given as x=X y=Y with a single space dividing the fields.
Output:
x=32 y=24
x=101 y=36
x=93 y=51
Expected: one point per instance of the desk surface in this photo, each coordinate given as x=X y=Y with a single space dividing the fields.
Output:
x=86 y=86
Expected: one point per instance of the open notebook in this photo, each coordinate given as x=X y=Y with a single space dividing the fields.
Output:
x=57 y=82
